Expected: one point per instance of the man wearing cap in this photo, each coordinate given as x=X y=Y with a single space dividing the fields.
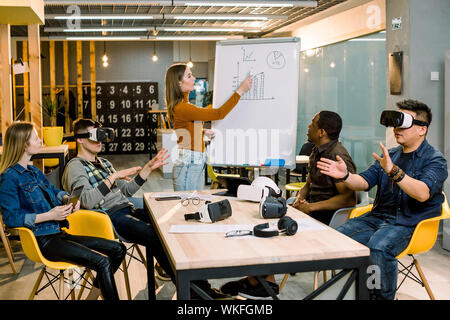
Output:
x=410 y=180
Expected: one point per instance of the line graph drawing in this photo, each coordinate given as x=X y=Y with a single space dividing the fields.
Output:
x=247 y=57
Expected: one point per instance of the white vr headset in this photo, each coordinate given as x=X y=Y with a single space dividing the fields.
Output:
x=261 y=188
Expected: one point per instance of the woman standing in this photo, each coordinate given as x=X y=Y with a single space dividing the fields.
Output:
x=188 y=120
x=28 y=199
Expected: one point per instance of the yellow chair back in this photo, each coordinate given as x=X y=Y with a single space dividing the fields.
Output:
x=90 y=223
x=212 y=175
x=425 y=233
x=359 y=211
x=33 y=252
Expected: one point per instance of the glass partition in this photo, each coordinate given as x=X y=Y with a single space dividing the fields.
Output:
x=349 y=78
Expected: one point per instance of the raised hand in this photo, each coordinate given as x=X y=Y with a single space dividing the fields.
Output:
x=385 y=162
x=159 y=160
x=336 y=169
x=245 y=85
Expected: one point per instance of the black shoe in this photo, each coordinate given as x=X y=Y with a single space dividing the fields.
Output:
x=160 y=273
x=258 y=292
x=232 y=288
x=210 y=291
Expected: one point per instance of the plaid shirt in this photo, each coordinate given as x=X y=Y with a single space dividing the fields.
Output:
x=97 y=174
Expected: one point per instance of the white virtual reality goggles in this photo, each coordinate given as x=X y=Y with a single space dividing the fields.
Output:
x=398 y=119
x=98 y=134
x=261 y=188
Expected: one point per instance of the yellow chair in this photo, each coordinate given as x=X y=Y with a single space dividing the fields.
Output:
x=422 y=240
x=82 y=222
x=292 y=187
x=130 y=252
x=213 y=176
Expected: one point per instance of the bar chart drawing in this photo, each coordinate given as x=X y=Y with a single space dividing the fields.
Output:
x=257 y=92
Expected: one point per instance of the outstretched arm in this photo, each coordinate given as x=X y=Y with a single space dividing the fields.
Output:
x=338 y=170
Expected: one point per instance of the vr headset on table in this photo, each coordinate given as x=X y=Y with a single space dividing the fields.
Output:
x=398 y=119
x=98 y=134
x=211 y=212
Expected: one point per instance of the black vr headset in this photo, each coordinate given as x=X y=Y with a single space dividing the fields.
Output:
x=211 y=212
x=398 y=119
x=98 y=134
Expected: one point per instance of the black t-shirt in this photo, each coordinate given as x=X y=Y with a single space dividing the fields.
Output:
x=390 y=198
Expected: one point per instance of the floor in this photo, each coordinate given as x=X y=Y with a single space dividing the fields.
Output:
x=435 y=264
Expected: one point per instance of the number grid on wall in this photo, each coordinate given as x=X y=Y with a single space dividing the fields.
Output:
x=124 y=107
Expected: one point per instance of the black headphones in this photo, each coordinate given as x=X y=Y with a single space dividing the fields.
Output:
x=285 y=224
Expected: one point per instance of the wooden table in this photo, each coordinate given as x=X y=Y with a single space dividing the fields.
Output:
x=60 y=152
x=198 y=256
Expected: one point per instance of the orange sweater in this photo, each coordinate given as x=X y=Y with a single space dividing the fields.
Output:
x=188 y=121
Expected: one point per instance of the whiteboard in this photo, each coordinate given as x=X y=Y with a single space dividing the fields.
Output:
x=263 y=125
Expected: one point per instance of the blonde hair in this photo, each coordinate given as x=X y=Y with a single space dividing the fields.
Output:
x=174 y=95
x=14 y=143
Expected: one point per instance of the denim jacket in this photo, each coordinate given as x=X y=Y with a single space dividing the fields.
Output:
x=429 y=166
x=22 y=198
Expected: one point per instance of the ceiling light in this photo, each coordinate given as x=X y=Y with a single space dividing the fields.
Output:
x=239 y=4
x=218 y=17
x=273 y=3
x=261 y=17
x=101 y=30
x=105 y=57
x=202 y=29
x=154 y=57
x=229 y=3
x=100 y=17
x=102 y=38
x=197 y=38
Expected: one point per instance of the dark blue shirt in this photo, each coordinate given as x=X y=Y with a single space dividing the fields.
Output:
x=426 y=164
x=388 y=207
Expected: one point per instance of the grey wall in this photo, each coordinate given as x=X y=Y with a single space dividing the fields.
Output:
x=424 y=40
x=429 y=41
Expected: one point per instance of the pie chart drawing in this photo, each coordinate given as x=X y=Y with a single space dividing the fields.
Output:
x=276 y=60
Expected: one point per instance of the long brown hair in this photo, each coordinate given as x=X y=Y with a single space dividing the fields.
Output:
x=14 y=143
x=174 y=95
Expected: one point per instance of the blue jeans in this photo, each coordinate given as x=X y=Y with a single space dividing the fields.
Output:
x=188 y=168
x=386 y=240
